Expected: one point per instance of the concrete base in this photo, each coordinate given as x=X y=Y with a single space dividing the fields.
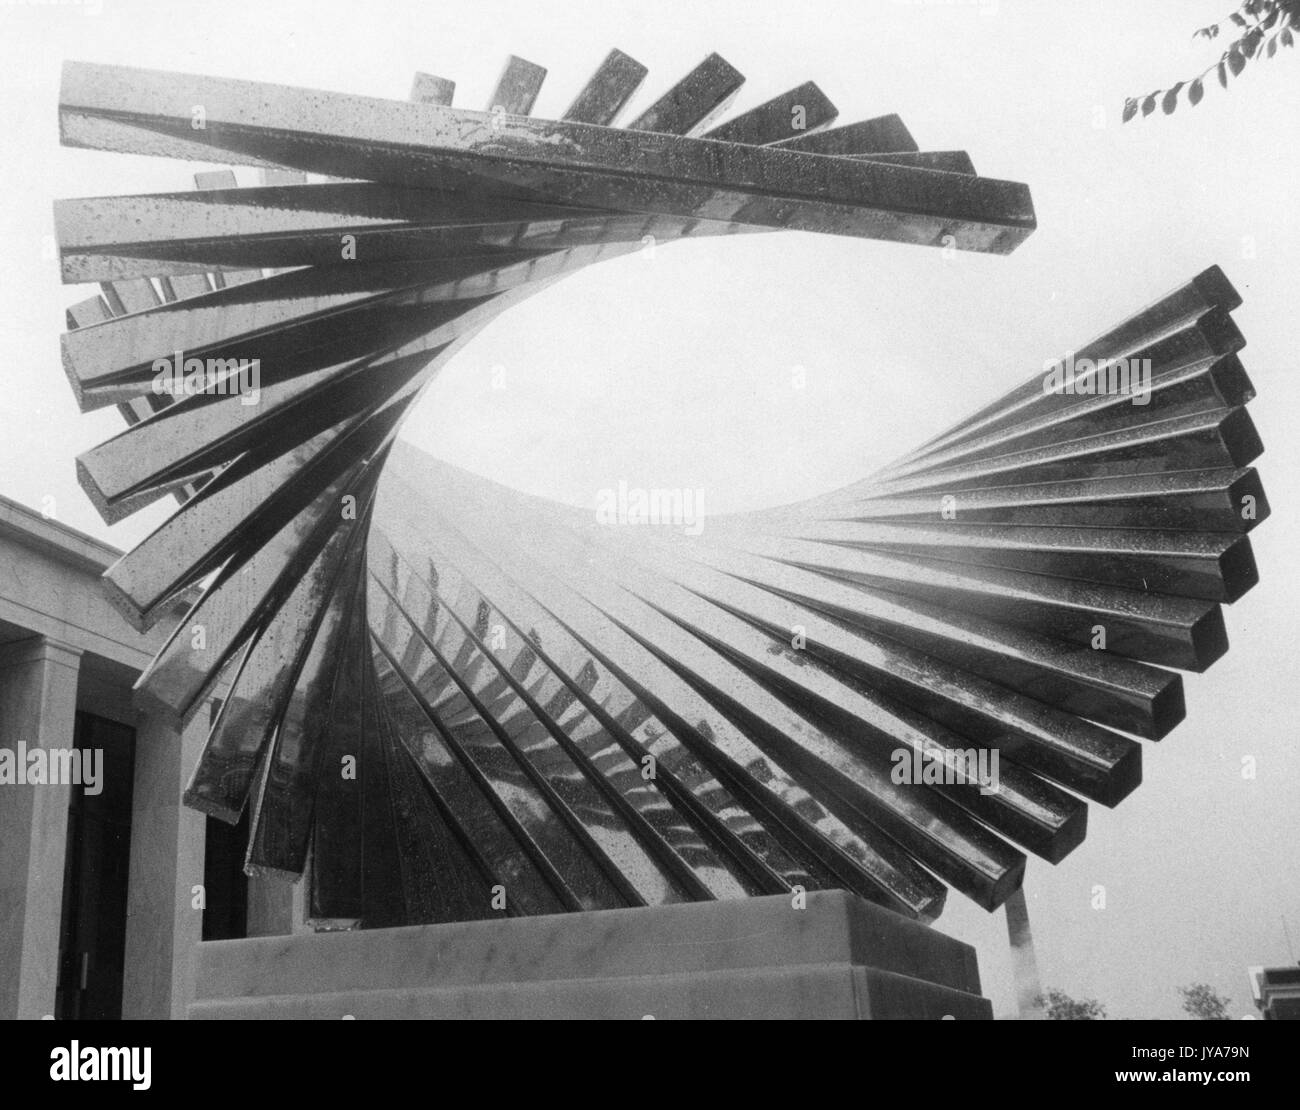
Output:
x=838 y=957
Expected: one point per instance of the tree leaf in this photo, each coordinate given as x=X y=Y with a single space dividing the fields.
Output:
x=1223 y=75
x=1130 y=109
x=1149 y=105
x=1238 y=19
x=1236 y=62
x=1195 y=91
x=1250 y=42
x=1170 y=101
x=1287 y=37
x=1272 y=47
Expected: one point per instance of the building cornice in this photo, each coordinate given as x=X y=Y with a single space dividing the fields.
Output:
x=49 y=537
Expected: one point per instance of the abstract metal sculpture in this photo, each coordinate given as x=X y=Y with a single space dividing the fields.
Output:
x=579 y=716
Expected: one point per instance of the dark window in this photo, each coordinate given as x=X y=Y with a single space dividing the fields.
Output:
x=225 y=916
x=92 y=936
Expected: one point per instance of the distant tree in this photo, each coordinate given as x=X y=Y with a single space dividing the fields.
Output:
x=1061 y=1007
x=1203 y=1002
x=1263 y=25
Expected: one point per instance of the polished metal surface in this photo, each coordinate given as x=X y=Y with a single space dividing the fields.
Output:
x=456 y=700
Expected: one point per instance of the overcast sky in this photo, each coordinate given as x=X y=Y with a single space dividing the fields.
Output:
x=675 y=370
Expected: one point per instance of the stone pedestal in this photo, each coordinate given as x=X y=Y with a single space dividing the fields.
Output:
x=838 y=957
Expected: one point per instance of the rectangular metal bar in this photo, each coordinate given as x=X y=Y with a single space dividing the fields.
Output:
x=882 y=135
x=1216 y=567
x=336 y=896
x=949 y=161
x=428 y=89
x=689 y=105
x=1223 y=500
x=401 y=143
x=339 y=226
x=517 y=88
x=802 y=110
x=321 y=248
x=608 y=91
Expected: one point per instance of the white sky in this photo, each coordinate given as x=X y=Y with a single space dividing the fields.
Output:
x=675 y=370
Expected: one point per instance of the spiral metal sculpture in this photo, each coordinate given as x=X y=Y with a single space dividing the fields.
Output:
x=457 y=700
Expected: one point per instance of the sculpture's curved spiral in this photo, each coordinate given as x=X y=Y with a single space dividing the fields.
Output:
x=589 y=716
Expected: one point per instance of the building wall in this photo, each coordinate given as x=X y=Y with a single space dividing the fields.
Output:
x=63 y=648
